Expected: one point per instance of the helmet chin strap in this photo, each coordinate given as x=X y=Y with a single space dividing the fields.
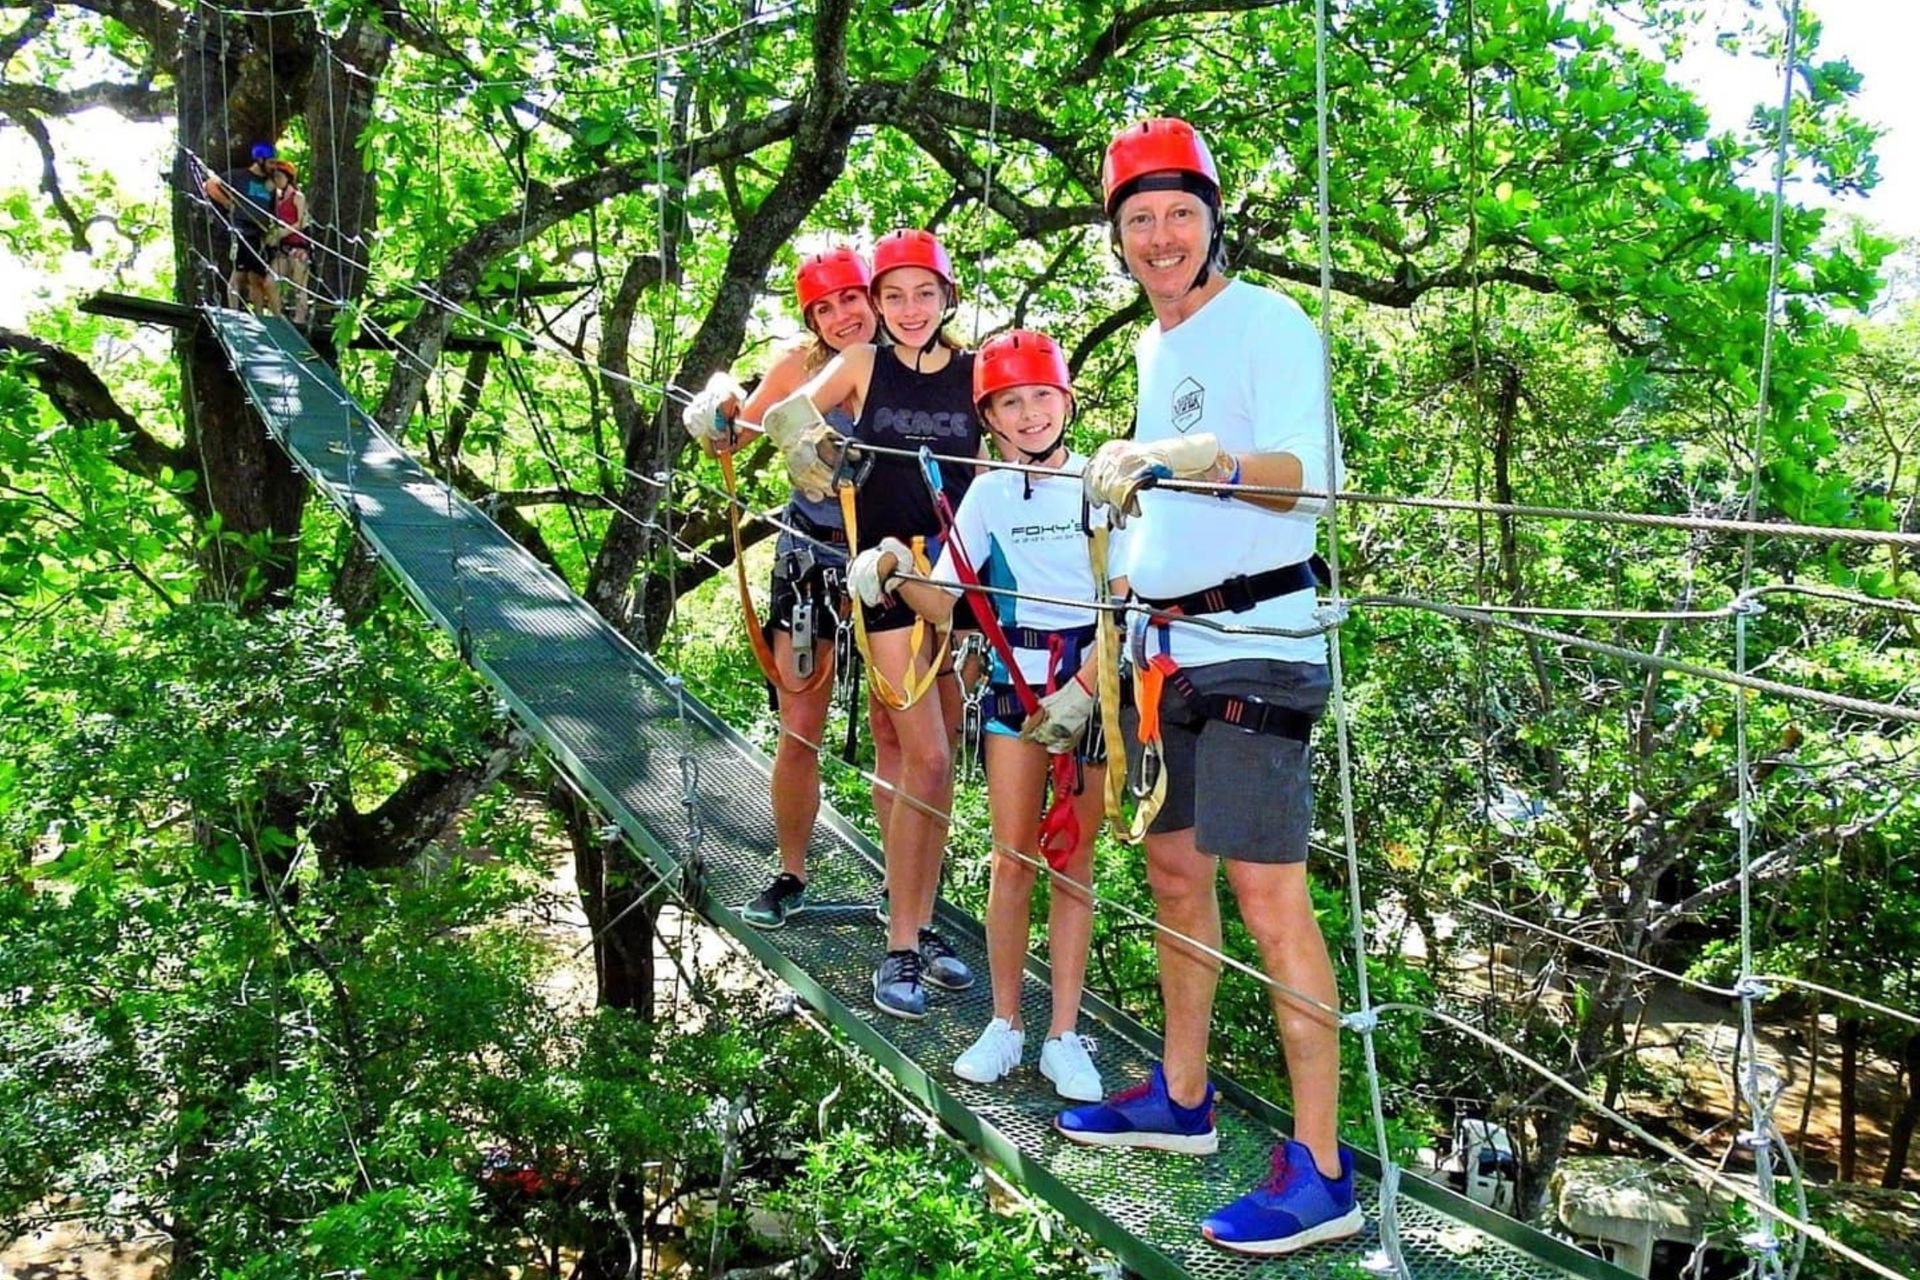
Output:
x=1038 y=458
x=933 y=340
x=1213 y=246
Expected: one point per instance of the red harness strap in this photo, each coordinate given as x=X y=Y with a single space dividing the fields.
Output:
x=1060 y=825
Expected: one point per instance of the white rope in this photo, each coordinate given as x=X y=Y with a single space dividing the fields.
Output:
x=1767 y=1263
x=1365 y=1020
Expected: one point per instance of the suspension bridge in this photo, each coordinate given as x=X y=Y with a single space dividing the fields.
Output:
x=689 y=796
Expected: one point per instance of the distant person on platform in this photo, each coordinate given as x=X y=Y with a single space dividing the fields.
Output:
x=292 y=251
x=244 y=198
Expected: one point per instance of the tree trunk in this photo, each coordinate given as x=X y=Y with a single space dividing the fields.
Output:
x=341 y=195
x=1900 y=1136
x=623 y=934
x=226 y=102
x=816 y=160
x=1555 y=1125
x=1506 y=417
x=1814 y=1027
x=1849 y=1097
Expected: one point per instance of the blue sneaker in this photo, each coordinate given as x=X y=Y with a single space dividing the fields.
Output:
x=1295 y=1207
x=941 y=966
x=897 y=988
x=1143 y=1116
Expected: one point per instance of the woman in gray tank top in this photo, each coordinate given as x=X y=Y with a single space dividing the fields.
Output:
x=831 y=289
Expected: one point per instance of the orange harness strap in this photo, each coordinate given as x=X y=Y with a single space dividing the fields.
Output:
x=756 y=636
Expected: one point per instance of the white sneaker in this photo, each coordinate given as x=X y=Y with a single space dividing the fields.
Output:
x=995 y=1053
x=1064 y=1060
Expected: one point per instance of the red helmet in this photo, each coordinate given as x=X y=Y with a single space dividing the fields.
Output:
x=1019 y=358
x=910 y=247
x=1154 y=146
x=823 y=273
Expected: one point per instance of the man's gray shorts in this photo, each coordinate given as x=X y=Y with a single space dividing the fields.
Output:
x=1246 y=795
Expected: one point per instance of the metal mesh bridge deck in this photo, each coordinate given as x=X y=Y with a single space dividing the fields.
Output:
x=609 y=716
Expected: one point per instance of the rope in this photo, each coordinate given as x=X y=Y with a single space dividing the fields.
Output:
x=1365 y=1021
x=1767 y=1262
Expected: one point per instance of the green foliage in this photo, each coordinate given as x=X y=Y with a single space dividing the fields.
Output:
x=899 y=1212
x=210 y=715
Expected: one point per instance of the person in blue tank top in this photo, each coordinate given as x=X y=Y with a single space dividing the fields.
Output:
x=1021 y=531
x=808 y=570
x=915 y=392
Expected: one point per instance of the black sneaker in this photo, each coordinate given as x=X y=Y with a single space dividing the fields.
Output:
x=943 y=967
x=785 y=898
x=880 y=911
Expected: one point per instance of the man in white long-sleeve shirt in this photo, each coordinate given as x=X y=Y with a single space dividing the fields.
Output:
x=1232 y=390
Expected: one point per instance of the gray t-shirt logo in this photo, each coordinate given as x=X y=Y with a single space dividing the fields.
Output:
x=1189 y=402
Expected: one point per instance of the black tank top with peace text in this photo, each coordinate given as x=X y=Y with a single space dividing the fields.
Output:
x=908 y=410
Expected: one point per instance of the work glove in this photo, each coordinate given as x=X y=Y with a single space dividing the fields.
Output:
x=1121 y=468
x=810 y=448
x=872 y=574
x=1061 y=720
x=709 y=416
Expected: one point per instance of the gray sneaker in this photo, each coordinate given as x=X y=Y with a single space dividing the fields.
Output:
x=880 y=911
x=897 y=988
x=944 y=969
x=779 y=902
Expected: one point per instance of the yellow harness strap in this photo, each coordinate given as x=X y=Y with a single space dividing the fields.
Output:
x=1154 y=777
x=917 y=684
x=762 y=651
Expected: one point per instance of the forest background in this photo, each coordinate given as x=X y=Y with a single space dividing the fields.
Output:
x=266 y=853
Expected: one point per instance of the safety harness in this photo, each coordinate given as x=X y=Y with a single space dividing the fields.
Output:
x=848 y=475
x=1059 y=825
x=1149 y=790
x=1153 y=672
x=812 y=677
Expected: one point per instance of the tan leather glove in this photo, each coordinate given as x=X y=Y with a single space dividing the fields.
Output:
x=875 y=571
x=1061 y=721
x=808 y=446
x=709 y=416
x=1121 y=468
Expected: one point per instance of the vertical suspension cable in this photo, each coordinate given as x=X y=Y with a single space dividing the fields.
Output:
x=993 y=157
x=664 y=333
x=1364 y=1020
x=449 y=460
x=333 y=152
x=1760 y=1098
x=1482 y=635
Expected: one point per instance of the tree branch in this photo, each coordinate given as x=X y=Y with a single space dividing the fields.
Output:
x=1090 y=342
x=415 y=814
x=82 y=399
x=543 y=208
x=1030 y=221
x=26 y=33
x=548 y=498
x=132 y=101
x=159 y=26
x=1124 y=24
x=50 y=177
x=1771 y=865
